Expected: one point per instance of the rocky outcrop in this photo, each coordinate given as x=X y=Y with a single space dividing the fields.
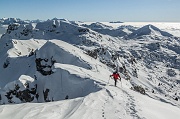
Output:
x=139 y=89
x=83 y=30
x=12 y=27
x=20 y=91
x=6 y=63
x=44 y=66
x=45 y=93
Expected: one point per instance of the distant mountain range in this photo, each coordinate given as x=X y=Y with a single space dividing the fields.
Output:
x=116 y=22
x=7 y=21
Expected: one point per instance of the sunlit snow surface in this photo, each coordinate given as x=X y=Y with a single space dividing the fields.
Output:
x=171 y=27
x=86 y=80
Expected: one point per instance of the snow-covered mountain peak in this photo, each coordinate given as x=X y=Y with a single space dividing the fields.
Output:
x=56 y=24
x=149 y=30
x=98 y=25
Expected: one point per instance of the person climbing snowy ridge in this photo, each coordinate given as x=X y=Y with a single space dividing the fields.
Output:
x=116 y=76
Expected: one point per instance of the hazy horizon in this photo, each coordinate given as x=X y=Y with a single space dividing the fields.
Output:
x=93 y=10
x=99 y=21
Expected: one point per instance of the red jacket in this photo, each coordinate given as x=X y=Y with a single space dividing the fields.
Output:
x=116 y=76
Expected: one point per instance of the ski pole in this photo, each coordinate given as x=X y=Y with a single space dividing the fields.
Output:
x=108 y=80
x=121 y=84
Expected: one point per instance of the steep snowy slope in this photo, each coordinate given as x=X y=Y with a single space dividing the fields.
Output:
x=50 y=71
x=3 y=29
x=17 y=52
x=157 y=68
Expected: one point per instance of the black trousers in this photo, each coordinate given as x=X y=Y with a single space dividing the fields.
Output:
x=115 y=82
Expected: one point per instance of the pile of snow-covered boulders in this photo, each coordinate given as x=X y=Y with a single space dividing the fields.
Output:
x=19 y=91
x=139 y=89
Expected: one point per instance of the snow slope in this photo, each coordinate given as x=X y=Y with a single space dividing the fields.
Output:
x=61 y=68
x=3 y=29
x=110 y=102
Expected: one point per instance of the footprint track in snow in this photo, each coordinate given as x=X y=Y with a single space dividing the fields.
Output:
x=103 y=107
x=111 y=109
x=131 y=106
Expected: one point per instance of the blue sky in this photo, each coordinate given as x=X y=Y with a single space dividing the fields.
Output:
x=93 y=10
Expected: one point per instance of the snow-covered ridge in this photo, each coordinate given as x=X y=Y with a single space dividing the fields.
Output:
x=149 y=30
x=109 y=30
x=97 y=25
x=53 y=29
x=7 y=21
x=53 y=75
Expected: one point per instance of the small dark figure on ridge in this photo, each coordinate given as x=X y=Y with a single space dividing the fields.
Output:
x=116 y=77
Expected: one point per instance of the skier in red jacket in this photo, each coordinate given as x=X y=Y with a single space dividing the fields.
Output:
x=116 y=76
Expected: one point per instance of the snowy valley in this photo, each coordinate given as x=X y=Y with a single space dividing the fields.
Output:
x=60 y=69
